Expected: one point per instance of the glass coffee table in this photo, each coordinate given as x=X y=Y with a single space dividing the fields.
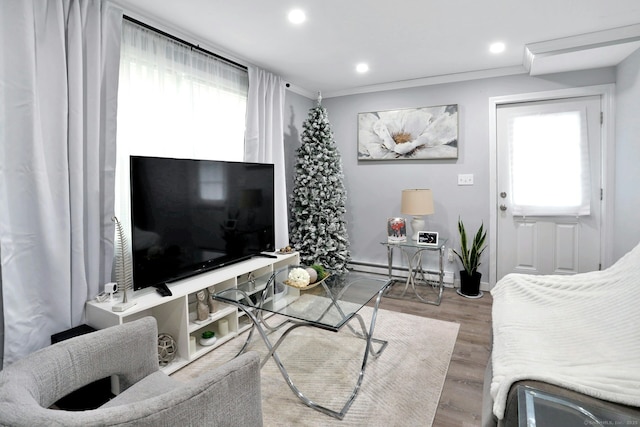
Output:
x=330 y=305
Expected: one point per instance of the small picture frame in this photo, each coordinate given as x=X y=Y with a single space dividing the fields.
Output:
x=396 y=230
x=428 y=238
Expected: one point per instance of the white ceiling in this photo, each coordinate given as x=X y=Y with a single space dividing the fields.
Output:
x=405 y=42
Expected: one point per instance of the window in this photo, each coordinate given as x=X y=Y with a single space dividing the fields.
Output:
x=549 y=163
x=174 y=101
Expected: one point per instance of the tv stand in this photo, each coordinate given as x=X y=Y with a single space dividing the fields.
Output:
x=176 y=314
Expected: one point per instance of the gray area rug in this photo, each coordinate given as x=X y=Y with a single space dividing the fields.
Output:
x=400 y=388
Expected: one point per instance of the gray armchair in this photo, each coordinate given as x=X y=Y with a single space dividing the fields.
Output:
x=226 y=396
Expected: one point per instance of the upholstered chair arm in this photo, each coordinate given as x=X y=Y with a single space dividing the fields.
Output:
x=226 y=396
x=43 y=377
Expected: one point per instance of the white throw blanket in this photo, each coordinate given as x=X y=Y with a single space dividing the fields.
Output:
x=581 y=332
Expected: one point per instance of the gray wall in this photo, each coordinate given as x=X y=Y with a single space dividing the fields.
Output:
x=296 y=110
x=627 y=172
x=373 y=188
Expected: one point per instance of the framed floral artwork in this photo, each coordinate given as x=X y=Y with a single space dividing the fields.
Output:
x=409 y=134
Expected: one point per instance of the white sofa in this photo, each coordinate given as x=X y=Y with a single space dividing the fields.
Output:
x=578 y=335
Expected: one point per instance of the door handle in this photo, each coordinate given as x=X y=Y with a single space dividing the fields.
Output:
x=503 y=208
x=503 y=195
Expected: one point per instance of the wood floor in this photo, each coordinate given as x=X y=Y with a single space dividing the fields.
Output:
x=461 y=400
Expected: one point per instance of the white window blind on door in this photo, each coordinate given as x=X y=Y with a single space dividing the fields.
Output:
x=549 y=161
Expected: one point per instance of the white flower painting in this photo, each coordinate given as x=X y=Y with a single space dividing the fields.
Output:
x=411 y=134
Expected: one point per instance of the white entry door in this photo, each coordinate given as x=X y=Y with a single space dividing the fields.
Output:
x=549 y=186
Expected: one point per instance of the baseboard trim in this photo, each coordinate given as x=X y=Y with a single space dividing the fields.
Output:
x=403 y=272
x=397 y=272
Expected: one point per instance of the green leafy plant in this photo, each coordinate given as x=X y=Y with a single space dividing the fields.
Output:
x=322 y=273
x=208 y=334
x=470 y=256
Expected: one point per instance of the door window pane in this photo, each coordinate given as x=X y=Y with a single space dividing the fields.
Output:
x=549 y=164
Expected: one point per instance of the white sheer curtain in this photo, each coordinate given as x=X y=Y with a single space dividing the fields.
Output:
x=175 y=102
x=264 y=139
x=58 y=78
x=549 y=160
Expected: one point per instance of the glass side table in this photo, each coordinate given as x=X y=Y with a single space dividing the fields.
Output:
x=421 y=281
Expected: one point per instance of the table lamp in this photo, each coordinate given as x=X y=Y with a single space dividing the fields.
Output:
x=417 y=202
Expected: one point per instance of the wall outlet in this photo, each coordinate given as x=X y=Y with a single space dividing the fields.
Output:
x=465 y=179
x=450 y=254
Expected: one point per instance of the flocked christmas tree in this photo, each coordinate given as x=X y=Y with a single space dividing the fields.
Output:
x=317 y=227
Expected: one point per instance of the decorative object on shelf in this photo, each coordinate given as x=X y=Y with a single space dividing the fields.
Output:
x=208 y=338
x=286 y=250
x=409 y=134
x=212 y=303
x=251 y=278
x=304 y=278
x=298 y=278
x=417 y=203
x=124 y=269
x=310 y=285
x=202 y=308
x=313 y=274
x=321 y=272
x=167 y=349
x=223 y=327
x=427 y=238
x=396 y=230
x=470 y=259
x=318 y=202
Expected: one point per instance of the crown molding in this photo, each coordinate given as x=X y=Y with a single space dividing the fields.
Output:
x=428 y=81
x=584 y=51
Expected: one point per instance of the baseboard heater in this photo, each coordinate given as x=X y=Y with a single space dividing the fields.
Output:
x=396 y=271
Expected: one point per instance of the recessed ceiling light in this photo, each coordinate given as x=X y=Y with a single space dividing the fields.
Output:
x=297 y=16
x=497 y=47
x=362 y=67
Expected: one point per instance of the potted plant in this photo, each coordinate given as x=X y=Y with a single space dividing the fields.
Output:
x=470 y=259
x=208 y=338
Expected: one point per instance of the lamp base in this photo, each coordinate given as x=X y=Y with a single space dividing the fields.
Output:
x=417 y=224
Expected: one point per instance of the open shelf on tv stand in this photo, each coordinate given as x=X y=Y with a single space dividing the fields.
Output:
x=176 y=313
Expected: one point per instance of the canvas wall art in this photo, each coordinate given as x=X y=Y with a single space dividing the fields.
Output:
x=409 y=134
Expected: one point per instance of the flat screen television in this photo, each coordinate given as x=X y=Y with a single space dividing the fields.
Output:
x=192 y=216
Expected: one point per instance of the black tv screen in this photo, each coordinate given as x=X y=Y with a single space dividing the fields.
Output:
x=191 y=216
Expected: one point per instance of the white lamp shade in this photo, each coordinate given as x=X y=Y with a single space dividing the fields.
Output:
x=417 y=202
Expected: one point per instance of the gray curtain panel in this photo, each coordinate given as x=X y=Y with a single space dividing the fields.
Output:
x=60 y=79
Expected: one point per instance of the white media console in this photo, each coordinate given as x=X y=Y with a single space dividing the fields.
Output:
x=176 y=314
